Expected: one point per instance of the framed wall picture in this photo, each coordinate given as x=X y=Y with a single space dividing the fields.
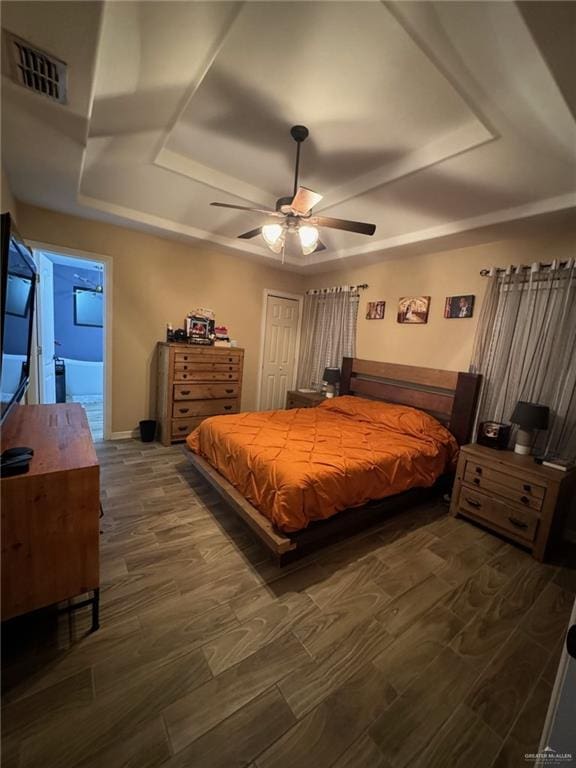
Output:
x=458 y=306
x=413 y=309
x=88 y=307
x=375 y=310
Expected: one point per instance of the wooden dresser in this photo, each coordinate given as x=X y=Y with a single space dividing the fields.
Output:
x=195 y=382
x=50 y=514
x=512 y=495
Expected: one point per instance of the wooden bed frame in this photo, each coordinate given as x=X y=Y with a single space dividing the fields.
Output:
x=449 y=396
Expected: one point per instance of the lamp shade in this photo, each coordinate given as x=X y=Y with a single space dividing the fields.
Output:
x=530 y=415
x=331 y=375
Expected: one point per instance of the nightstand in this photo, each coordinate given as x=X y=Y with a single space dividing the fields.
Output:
x=295 y=399
x=512 y=495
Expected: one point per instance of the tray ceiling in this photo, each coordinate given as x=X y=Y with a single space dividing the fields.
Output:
x=428 y=119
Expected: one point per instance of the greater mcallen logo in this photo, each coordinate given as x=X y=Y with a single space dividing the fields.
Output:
x=549 y=756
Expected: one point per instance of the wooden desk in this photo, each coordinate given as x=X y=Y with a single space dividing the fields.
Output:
x=50 y=515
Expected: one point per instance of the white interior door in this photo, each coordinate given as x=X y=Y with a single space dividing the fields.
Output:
x=45 y=325
x=279 y=358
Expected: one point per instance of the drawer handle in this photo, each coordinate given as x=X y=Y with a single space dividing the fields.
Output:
x=185 y=392
x=518 y=523
x=183 y=410
x=524 y=499
x=229 y=391
x=227 y=407
x=478 y=470
x=474 y=503
x=229 y=375
x=527 y=488
x=476 y=481
x=182 y=429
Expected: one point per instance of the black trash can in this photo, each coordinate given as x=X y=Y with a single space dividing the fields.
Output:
x=147 y=430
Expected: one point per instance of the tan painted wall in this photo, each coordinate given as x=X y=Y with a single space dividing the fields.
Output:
x=440 y=343
x=156 y=281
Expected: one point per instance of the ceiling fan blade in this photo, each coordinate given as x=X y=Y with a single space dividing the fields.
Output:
x=247 y=208
x=349 y=226
x=304 y=200
x=252 y=233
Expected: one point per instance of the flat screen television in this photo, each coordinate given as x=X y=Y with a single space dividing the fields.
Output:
x=18 y=286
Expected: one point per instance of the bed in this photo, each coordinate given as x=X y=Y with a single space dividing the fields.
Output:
x=303 y=476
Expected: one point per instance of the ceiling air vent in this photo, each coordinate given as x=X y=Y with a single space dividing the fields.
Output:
x=37 y=70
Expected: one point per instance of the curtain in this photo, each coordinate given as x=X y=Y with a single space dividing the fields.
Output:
x=328 y=333
x=525 y=349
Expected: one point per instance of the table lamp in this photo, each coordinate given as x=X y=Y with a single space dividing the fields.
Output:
x=330 y=378
x=528 y=417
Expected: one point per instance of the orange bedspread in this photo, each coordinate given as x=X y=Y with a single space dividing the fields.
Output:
x=307 y=464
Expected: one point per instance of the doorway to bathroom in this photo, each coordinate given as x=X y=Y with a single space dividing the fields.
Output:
x=71 y=325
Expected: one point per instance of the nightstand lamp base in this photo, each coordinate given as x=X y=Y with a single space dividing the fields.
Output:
x=524 y=442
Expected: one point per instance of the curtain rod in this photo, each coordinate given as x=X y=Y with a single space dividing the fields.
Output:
x=503 y=270
x=337 y=289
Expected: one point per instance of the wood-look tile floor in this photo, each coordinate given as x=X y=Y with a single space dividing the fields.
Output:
x=425 y=642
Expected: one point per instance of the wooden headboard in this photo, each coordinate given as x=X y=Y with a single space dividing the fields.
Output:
x=449 y=396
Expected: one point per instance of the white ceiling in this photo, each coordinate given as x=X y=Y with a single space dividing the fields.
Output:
x=432 y=120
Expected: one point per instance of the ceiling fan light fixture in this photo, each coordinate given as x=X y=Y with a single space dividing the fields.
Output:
x=274 y=236
x=272 y=233
x=308 y=238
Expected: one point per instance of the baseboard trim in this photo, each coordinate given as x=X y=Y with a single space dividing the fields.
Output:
x=129 y=433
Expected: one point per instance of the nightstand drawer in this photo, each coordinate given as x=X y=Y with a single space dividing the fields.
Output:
x=517 y=490
x=523 y=523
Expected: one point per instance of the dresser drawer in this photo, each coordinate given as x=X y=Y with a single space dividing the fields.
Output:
x=188 y=391
x=515 y=489
x=195 y=375
x=188 y=408
x=211 y=391
x=206 y=356
x=208 y=376
x=205 y=366
x=523 y=523
x=183 y=427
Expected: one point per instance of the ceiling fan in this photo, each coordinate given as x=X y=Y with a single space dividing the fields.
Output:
x=295 y=214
